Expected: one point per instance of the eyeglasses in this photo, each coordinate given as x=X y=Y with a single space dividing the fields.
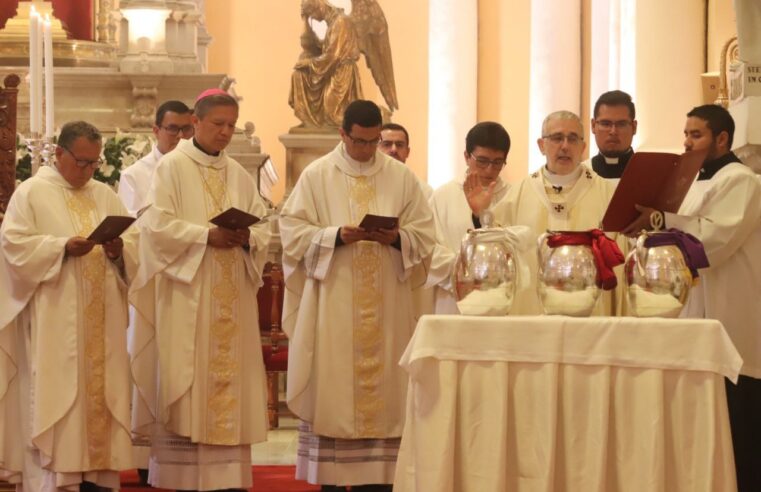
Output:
x=483 y=162
x=364 y=143
x=173 y=130
x=558 y=138
x=387 y=144
x=84 y=162
x=608 y=124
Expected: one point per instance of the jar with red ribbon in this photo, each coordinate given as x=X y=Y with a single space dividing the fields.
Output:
x=573 y=267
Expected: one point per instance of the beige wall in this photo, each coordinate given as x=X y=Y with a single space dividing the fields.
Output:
x=257 y=42
x=503 y=74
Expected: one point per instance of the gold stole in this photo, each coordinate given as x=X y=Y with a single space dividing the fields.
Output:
x=91 y=268
x=223 y=383
x=368 y=334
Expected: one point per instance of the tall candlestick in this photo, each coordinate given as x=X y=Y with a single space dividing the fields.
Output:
x=33 y=50
x=49 y=86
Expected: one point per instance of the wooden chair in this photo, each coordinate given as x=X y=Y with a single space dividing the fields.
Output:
x=8 y=104
x=270 y=301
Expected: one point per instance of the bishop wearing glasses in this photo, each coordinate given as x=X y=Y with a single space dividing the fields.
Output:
x=63 y=315
x=563 y=195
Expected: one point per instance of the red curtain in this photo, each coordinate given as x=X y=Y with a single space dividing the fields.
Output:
x=76 y=16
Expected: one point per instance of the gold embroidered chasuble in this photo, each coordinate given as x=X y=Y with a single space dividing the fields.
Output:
x=211 y=373
x=73 y=314
x=534 y=203
x=348 y=309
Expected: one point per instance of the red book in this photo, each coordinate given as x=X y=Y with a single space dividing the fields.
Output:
x=652 y=179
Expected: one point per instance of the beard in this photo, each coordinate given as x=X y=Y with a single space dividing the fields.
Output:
x=615 y=153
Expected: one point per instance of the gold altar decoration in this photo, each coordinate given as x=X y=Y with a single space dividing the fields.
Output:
x=14 y=38
x=326 y=77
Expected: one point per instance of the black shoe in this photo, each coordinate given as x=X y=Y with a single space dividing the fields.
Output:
x=372 y=488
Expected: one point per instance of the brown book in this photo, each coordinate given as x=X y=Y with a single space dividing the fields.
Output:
x=372 y=222
x=234 y=218
x=657 y=180
x=110 y=228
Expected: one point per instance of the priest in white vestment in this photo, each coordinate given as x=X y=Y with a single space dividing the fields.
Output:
x=458 y=205
x=172 y=123
x=563 y=195
x=67 y=299
x=723 y=210
x=348 y=310
x=212 y=390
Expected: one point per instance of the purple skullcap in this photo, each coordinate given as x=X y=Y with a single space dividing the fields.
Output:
x=216 y=91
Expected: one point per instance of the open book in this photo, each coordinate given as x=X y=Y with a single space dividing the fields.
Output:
x=652 y=179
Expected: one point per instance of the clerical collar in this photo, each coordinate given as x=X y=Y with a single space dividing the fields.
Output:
x=560 y=181
x=714 y=166
x=611 y=167
x=198 y=146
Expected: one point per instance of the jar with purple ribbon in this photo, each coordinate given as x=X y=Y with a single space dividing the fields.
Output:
x=660 y=271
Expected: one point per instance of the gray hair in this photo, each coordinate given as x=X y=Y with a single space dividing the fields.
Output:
x=73 y=130
x=561 y=115
x=206 y=104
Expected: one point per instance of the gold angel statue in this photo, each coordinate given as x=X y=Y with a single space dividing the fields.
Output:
x=326 y=78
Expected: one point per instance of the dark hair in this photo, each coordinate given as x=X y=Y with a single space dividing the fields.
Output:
x=717 y=119
x=488 y=134
x=366 y=114
x=73 y=130
x=615 y=98
x=399 y=128
x=204 y=105
x=178 y=107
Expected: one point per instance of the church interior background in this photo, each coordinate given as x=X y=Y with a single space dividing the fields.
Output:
x=456 y=62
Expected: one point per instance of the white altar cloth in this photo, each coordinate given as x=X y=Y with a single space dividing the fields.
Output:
x=552 y=403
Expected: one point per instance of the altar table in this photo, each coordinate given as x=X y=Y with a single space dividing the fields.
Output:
x=552 y=403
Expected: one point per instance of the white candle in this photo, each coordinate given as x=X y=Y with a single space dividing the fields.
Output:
x=49 y=86
x=39 y=73
x=33 y=49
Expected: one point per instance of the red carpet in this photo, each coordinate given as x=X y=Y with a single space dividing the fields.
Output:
x=266 y=479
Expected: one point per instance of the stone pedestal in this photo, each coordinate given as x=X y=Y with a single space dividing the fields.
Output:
x=301 y=148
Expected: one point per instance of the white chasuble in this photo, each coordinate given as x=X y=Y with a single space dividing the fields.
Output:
x=453 y=219
x=348 y=309
x=74 y=320
x=535 y=204
x=135 y=181
x=211 y=373
x=724 y=212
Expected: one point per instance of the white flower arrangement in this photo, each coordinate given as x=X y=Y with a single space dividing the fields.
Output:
x=118 y=153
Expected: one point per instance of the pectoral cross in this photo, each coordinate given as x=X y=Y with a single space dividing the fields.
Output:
x=559 y=208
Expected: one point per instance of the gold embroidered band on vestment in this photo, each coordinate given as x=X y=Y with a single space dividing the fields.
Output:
x=84 y=216
x=223 y=416
x=367 y=303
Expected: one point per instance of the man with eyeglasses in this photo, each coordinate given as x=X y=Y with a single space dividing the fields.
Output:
x=172 y=125
x=64 y=299
x=614 y=126
x=348 y=309
x=458 y=205
x=211 y=400
x=563 y=195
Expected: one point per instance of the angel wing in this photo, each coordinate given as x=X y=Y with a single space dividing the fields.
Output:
x=372 y=31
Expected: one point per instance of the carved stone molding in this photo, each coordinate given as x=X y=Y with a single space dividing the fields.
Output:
x=145 y=94
x=8 y=103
